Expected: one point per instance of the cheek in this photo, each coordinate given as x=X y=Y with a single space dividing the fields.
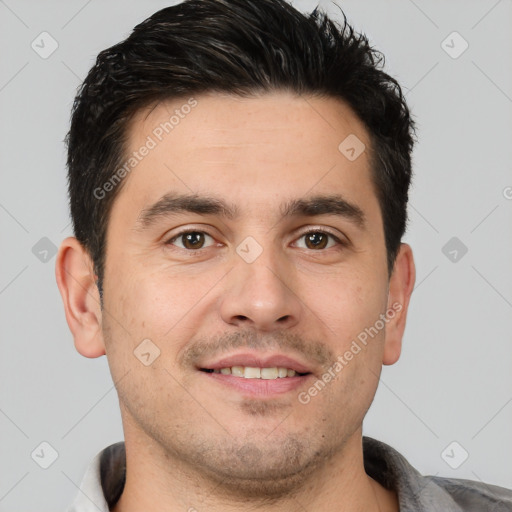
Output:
x=162 y=304
x=350 y=303
x=148 y=308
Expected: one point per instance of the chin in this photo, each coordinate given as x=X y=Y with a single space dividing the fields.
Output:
x=260 y=468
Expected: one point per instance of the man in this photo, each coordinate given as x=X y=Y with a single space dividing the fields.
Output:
x=238 y=178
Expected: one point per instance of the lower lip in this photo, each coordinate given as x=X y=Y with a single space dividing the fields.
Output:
x=259 y=387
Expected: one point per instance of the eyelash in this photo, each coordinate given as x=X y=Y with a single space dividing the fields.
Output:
x=340 y=243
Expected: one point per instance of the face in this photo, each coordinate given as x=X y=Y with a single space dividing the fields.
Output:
x=245 y=238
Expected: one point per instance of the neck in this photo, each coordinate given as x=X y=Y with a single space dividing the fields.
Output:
x=157 y=480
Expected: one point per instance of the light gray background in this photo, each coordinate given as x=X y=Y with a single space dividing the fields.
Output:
x=454 y=380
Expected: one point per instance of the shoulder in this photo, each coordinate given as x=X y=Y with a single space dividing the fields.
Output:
x=428 y=493
x=469 y=493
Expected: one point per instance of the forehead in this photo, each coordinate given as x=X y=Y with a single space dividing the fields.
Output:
x=269 y=147
x=209 y=120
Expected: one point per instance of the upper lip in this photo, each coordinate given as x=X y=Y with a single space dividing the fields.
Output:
x=257 y=360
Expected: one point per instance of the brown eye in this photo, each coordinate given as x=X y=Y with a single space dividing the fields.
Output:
x=318 y=240
x=191 y=240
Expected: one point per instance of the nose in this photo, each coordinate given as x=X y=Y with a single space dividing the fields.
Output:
x=261 y=295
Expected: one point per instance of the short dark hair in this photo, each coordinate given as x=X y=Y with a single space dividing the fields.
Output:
x=242 y=47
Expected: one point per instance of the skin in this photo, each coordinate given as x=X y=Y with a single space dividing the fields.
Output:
x=195 y=444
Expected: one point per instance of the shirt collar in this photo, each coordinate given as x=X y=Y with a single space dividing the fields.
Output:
x=103 y=481
x=415 y=491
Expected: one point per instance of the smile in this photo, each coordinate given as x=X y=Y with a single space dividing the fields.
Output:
x=251 y=372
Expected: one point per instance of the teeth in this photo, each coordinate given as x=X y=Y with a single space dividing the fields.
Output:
x=250 y=372
x=269 y=373
x=282 y=372
x=238 y=371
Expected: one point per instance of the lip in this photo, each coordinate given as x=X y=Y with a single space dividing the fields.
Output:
x=257 y=360
x=257 y=388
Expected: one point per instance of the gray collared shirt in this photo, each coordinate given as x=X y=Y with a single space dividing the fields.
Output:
x=104 y=480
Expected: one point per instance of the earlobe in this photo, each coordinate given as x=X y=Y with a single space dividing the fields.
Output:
x=77 y=285
x=401 y=285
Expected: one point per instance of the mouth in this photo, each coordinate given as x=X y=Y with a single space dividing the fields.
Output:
x=257 y=375
x=255 y=372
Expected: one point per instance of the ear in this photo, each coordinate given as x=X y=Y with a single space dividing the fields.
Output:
x=401 y=284
x=80 y=294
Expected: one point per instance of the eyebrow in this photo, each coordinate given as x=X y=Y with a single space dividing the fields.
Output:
x=171 y=204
